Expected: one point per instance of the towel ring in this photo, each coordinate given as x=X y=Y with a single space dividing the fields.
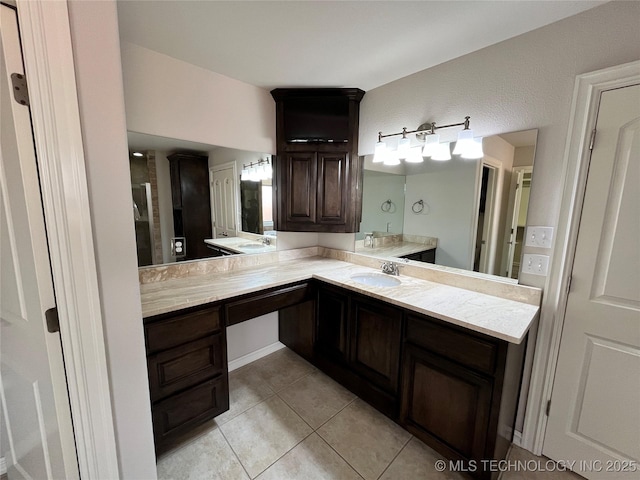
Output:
x=417 y=207
x=386 y=206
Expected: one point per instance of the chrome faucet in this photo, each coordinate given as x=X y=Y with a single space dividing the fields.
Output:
x=265 y=241
x=390 y=268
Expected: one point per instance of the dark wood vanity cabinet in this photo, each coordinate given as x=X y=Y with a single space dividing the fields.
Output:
x=332 y=339
x=376 y=336
x=191 y=202
x=453 y=388
x=318 y=174
x=187 y=367
x=427 y=256
x=459 y=391
x=358 y=343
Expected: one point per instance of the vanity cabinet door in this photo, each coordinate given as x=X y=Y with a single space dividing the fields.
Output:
x=332 y=338
x=376 y=335
x=332 y=188
x=298 y=203
x=445 y=404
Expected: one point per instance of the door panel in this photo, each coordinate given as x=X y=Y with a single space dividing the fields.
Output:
x=594 y=411
x=333 y=334
x=37 y=435
x=332 y=191
x=376 y=331
x=300 y=181
x=224 y=188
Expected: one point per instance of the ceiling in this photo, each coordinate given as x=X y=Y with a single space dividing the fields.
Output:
x=361 y=44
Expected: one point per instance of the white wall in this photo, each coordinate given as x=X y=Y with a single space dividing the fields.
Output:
x=522 y=83
x=247 y=337
x=377 y=188
x=449 y=191
x=94 y=28
x=175 y=99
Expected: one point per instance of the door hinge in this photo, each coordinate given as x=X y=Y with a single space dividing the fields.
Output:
x=20 y=91
x=569 y=284
x=548 y=409
x=593 y=139
x=53 y=322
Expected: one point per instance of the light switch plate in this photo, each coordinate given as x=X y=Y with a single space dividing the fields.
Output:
x=539 y=237
x=535 y=264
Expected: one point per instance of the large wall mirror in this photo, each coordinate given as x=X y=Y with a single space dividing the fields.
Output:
x=476 y=209
x=169 y=179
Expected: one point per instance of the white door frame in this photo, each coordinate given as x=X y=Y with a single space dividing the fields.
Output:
x=50 y=72
x=586 y=97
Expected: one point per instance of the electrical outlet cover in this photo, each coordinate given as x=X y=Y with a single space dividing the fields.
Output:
x=535 y=264
x=539 y=237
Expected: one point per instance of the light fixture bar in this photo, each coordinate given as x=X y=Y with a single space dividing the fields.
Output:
x=424 y=128
x=262 y=161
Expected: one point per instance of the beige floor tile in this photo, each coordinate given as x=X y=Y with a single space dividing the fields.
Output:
x=207 y=457
x=264 y=433
x=316 y=398
x=312 y=459
x=416 y=461
x=282 y=368
x=531 y=467
x=246 y=389
x=365 y=438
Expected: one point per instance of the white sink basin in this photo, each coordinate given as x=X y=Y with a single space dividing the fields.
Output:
x=376 y=279
x=251 y=245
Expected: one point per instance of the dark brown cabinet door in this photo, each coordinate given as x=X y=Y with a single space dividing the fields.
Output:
x=300 y=176
x=376 y=334
x=333 y=333
x=445 y=405
x=191 y=202
x=332 y=188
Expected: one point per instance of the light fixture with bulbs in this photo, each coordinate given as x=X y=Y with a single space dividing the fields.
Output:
x=257 y=171
x=467 y=146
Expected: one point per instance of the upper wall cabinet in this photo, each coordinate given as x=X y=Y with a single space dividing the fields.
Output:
x=318 y=175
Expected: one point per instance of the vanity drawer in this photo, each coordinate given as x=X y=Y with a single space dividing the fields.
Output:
x=469 y=350
x=189 y=364
x=172 y=330
x=178 y=414
x=259 y=304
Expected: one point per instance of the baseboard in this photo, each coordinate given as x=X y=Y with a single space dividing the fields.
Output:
x=253 y=356
x=3 y=466
x=517 y=438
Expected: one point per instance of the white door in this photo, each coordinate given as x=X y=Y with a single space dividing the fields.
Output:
x=595 y=405
x=37 y=435
x=224 y=194
x=517 y=214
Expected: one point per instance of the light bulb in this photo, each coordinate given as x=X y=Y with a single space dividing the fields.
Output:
x=415 y=156
x=404 y=146
x=254 y=176
x=464 y=143
x=392 y=158
x=442 y=153
x=474 y=151
x=244 y=176
x=430 y=144
x=380 y=152
x=268 y=171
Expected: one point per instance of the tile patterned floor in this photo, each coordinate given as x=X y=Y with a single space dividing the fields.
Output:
x=287 y=421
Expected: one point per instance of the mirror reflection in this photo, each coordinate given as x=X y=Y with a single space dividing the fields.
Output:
x=189 y=201
x=468 y=214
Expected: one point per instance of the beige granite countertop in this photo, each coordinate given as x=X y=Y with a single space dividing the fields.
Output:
x=240 y=245
x=394 y=250
x=498 y=317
